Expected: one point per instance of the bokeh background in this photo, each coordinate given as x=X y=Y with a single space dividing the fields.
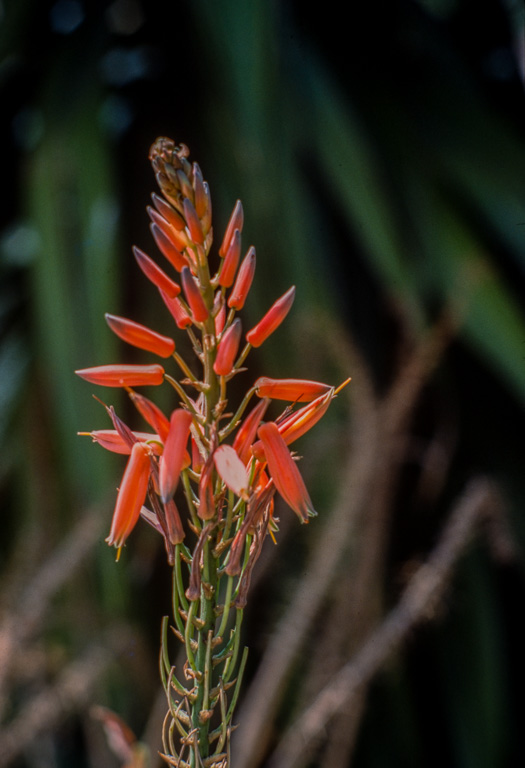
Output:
x=379 y=151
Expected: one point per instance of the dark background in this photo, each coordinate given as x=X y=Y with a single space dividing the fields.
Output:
x=379 y=151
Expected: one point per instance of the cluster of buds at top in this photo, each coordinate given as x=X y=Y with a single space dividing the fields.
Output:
x=192 y=442
x=227 y=463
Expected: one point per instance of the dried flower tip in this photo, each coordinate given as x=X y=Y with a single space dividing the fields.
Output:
x=272 y=319
x=168 y=246
x=232 y=470
x=179 y=314
x=184 y=183
x=168 y=213
x=206 y=508
x=192 y=220
x=123 y=375
x=228 y=348
x=201 y=198
x=151 y=413
x=112 y=441
x=243 y=282
x=206 y=217
x=235 y=222
x=140 y=336
x=231 y=261
x=293 y=390
x=193 y=296
x=174 y=528
x=155 y=274
x=284 y=472
x=131 y=495
x=174 y=456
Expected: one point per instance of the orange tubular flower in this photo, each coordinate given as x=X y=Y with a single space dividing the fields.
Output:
x=220 y=320
x=164 y=235
x=140 y=336
x=272 y=319
x=155 y=274
x=231 y=261
x=284 y=472
x=193 y=296
x=293 y=390
x=248 y=429
x=179 y=314
x=168 y=212
x=112 y=441
x=235 y=222
x=174 y=456
x=131 y=495
x=295 y=425
x=228 y=348
x=123 y=375
x=194 y=225
x=244 y=281
x=151 y=413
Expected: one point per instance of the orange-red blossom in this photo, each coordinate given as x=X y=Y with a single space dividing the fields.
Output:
x=284 y=472
x=272 y=319
x=123 y=375
x=131 y=495
x=140 y=336
x=172 y=460
x=293 y=390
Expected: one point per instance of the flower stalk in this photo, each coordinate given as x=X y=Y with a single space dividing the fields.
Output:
x=226 y=468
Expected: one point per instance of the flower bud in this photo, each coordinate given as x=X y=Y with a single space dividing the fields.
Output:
x=155 y=274
x=235 y=222
x=166 y=245
x=243 y=282
x=228 y=348
x=168 y=213
x=177 y=311
x=140 y=336
x=231 y=261
x=272 y=319
x=123 y=375
x=151 y=413
x=192 y=220
x=193 y=296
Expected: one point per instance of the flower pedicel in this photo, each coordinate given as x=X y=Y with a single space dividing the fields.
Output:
x=227 y=467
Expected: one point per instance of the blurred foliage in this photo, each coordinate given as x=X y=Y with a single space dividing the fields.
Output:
x=380 y=158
